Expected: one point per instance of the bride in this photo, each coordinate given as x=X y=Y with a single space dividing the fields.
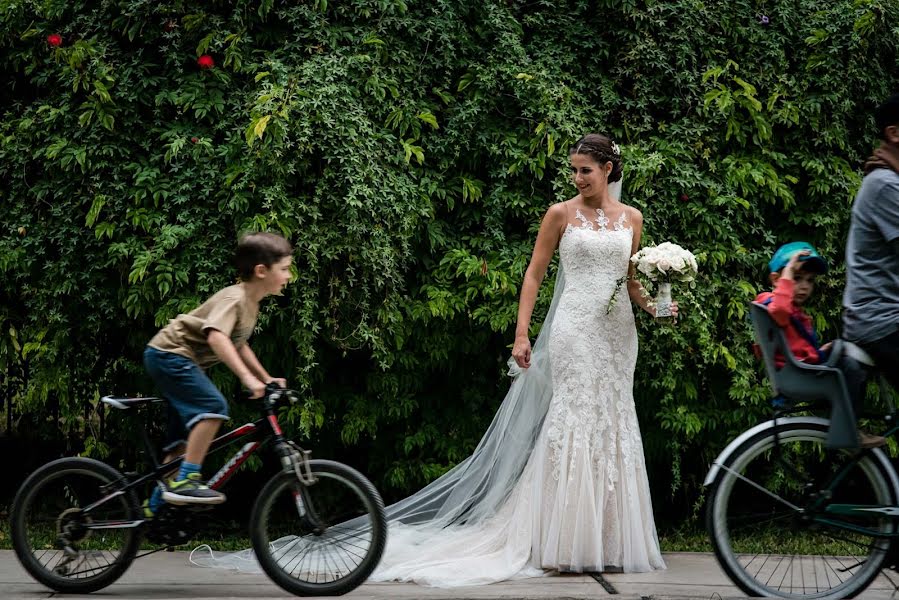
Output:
x=558 y=483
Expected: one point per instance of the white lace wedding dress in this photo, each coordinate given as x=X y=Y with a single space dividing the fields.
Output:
x=559 y=482
x=582 y=502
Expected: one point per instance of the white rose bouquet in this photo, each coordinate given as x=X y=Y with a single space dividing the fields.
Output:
x=665 y=263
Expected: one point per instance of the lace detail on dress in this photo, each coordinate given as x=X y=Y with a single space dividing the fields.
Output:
x=592 y=417
x=621 y=223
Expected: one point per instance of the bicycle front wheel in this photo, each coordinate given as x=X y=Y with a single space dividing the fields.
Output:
x=59 y=542
x=767 y=522
x=321 y=539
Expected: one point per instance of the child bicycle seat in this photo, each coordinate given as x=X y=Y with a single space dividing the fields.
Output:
x=803 y=382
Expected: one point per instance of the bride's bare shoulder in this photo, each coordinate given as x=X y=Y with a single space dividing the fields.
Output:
x=634 y=215
x=557 y=211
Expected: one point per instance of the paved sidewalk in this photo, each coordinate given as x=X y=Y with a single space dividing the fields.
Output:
x=169 y=576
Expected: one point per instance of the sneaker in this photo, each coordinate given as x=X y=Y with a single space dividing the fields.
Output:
x=148 y=514
x=191 y=490
x=866 y=440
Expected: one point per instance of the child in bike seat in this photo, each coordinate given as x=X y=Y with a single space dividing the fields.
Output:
x=216 y=331
x=793 y=270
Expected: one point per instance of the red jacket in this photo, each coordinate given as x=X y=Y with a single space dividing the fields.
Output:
x=781 y=308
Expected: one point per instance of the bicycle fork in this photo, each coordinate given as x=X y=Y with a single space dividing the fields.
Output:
x=295 y=460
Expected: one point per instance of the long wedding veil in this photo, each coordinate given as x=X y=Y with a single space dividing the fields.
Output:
x=476 y=488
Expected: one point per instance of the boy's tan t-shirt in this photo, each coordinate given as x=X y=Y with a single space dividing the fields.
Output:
x=229 y=311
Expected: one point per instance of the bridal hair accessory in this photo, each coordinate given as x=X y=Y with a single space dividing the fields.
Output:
x=615 y=149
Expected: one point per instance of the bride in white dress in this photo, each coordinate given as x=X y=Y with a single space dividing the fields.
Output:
x=558 y=483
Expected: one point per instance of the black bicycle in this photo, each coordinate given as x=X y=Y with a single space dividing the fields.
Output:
x=317 y=527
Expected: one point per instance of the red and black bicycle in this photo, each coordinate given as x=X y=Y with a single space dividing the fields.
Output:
x=317 y=527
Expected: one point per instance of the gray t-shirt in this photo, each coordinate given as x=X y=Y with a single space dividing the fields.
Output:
x=871 y=299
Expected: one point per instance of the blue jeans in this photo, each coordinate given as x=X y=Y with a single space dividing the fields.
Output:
x=191 y=395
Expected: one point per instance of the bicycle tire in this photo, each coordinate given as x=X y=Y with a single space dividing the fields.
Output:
x=30 y=492
x=265 y=549
x=868 y=479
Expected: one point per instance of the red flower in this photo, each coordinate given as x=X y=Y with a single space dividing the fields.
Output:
x=205 y=62
x=55 y=40
x=195 y=139
x=684 y=197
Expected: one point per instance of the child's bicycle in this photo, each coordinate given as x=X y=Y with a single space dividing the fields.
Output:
x=794 y=510
x=317 y=527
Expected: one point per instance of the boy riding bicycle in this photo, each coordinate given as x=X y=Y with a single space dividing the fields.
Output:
x=216 y=331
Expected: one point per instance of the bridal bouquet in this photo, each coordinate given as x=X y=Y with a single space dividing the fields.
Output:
x=665 y=263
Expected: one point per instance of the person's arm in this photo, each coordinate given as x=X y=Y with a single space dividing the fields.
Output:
x=884 y=212
x=547 y=241
x=224 y=348
x=635 y=289
x=249 y=359
x=781 y=306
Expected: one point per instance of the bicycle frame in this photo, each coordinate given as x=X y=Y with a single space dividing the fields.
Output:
x=262 y=430
x=856 y=510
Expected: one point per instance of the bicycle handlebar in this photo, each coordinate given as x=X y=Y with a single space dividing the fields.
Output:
x=273 y=394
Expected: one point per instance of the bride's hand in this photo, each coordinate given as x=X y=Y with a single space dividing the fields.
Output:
x=521 y=352
x=673 y=310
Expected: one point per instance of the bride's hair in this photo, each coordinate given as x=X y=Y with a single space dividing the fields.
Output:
x=601 y=149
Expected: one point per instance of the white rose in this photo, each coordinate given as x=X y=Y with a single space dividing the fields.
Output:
x=663 y=265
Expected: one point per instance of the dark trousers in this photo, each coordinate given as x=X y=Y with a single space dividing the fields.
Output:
x=885 y=353
x=855 y=377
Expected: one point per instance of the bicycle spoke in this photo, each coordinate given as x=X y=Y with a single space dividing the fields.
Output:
x=337 y=551
x=69 y=549
x=772 y=547
x=761 y=489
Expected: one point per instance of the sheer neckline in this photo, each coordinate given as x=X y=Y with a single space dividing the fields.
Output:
x=600 y=223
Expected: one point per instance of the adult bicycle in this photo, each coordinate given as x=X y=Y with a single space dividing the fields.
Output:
x=796 y=509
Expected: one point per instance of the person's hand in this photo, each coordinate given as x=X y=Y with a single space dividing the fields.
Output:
x=672 y=306
x=255 y=387
x=794 y=263
x=826 y=347
x=280 y=381
x=521 y=352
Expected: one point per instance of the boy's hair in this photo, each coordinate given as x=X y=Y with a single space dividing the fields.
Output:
x=887 y=114
x=260 y=248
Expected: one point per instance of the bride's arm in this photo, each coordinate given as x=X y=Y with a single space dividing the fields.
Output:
x=635 y=289
x=547 y=241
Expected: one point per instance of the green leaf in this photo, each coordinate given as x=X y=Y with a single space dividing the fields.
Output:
x=203 y=46
x=96 y=206
x=428 y=118
x=260 y=126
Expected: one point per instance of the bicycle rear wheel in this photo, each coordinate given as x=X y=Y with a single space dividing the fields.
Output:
x=60 y=544
x=769 y=537
x=323 y=539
